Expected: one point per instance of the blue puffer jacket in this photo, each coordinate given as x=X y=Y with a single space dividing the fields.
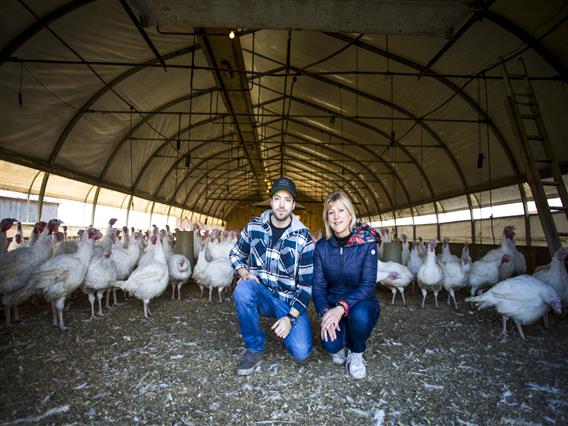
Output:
x=346 y=273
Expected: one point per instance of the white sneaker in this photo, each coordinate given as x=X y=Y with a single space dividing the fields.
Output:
x=339 y=357
x=356 y=365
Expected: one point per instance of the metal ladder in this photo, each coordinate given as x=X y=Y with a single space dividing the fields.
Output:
x=536 y=150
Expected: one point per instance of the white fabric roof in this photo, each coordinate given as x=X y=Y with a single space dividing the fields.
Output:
x=98 y=106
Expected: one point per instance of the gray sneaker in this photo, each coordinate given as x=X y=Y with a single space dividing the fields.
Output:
x=249 y=362
x=339 y=357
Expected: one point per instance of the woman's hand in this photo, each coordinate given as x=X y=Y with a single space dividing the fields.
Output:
x=330 y=323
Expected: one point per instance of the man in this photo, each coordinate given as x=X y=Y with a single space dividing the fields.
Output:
x=274 y=260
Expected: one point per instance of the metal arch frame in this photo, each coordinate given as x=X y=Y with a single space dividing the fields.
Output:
x=529 y=40
x=402 y=110
x=176 y=163
x=397 y=107
x=146 y=164
x=476 y=107
x=456 y=90
x=141 y=123
x=361 y=164
x=296 y=149
x=386 y=103
x=365 y=125
x=293 y=165
x=221 y=166
x=365 y=148
x=301 y=173
x=37 y=26
x=69 y=7
x=369 y=127
x=200 y=178
x=102 y=91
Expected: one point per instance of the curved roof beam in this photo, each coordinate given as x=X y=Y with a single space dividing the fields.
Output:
x=322 y=145
x=39 y=25
x=376 y=99
x=529 y=40
x=222 y=165
x=141 y=123
x=297 y=148
x=401 y=110
x=303 y=169
x=166 y=142
x=109 y=87
x=380 y=132
x=454 y=88
x=219 y=166
x=390 y=168
x=305 y=174
x=367 y=126
x=176 y=163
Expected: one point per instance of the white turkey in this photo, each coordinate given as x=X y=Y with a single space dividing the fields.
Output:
x=125 y=259
x=5 y=226
x=149 y=280
x=456 y=274
x=215 y=274
x=414 y=262
x=507 y=247
x=405 y=250
x=105 y=243
x=525 y=299
x=430 y=275
x=180 y=271
x=385 y=238
x=17 y=265
x=554 y=274
x=421 y=248
x=60 y=276
x=217 y=248
x=148 y=254
x=394 y=276
x=167 y=243
x=446 y=255
x=200 y=266
x=18 y=240
x=100 y=273
x=485 y=273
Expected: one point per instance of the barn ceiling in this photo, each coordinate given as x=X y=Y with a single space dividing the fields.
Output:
x=399 y=103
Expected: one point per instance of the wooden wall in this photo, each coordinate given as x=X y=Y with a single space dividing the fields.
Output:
x=310 y=215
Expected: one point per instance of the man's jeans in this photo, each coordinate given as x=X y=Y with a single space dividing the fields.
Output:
x=253 y=300
x=356 y=328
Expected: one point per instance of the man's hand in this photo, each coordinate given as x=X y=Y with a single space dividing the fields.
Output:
x=330 y=323
x=282 y=327
x=244 y=274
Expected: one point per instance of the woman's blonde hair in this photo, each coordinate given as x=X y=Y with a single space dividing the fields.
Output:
x=329 y=202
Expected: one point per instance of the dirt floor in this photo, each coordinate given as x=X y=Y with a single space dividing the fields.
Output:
x=425 y=366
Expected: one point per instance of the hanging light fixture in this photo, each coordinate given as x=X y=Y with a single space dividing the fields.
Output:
x=231 y=34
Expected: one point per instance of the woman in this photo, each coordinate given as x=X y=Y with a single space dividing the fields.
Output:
x=345 y=269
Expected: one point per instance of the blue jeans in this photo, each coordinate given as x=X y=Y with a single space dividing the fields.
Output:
x=253 y=300
x=356 y=328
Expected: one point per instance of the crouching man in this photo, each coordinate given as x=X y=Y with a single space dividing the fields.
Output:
x=274 y=260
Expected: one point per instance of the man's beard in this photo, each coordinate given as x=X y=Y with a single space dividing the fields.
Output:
x=281 y=219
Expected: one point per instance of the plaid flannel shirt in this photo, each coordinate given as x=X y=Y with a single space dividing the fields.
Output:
x=285 y=269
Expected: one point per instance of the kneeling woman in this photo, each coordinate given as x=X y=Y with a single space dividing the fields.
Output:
x=345 y=271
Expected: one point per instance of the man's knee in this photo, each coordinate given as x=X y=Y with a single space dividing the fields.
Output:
x=244 y=291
